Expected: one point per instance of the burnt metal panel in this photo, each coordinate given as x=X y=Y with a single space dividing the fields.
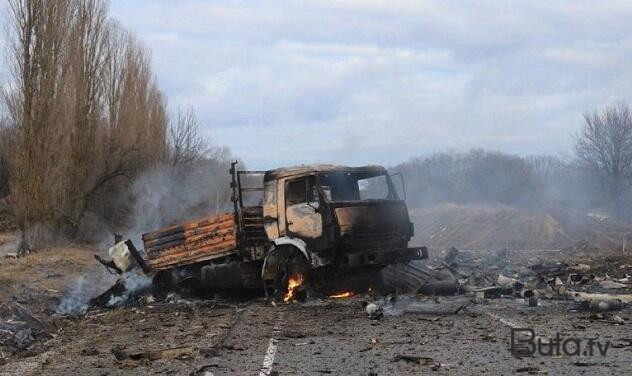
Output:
x=383 y=214
x=382 y=224
x=310 y=169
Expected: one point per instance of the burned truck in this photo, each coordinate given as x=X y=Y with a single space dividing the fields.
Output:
x=308 y=226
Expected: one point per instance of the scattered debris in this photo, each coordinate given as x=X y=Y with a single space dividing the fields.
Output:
x=584 y=364
x=421 y=360
x=528 y=370
x=600 y=305
x=607 y=318
x=204 y=370
x=171 y=353
x=492 y=277
x=373 y=310
x=582 y=296
x=533 y=301
x=510 y=283
x=19 y=329
x=89 y=352
x=417 y=277
x=130 y=285
x=609 y=284
x=407 y=304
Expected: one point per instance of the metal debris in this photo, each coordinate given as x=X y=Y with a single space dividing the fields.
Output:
x=421 y=360
x=373 y=310
x=19 y=329
x=171 y=353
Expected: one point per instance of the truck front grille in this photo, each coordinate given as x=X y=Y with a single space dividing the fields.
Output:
x=363 y=239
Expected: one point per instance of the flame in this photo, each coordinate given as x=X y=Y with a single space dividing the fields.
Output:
x=345 y=294
x=292 y=283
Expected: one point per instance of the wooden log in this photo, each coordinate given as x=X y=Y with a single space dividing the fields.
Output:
x=187 y=257
x=189 y=225
x=190 y=234
x=199 y=242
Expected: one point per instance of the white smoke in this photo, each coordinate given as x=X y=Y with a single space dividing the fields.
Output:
x=134 y=283
x=84 y=288
x=171 y=194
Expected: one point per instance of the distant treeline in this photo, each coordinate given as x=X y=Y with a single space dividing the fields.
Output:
x=535 y=182
x=598 y=177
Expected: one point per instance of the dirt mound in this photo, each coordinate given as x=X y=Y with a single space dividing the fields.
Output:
x=598 y=233
x=479 y=227
x=485 y=227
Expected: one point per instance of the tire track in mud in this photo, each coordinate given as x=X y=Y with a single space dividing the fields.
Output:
x=229 y=332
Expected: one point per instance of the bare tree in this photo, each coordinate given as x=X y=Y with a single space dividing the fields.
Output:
x=84 y=111
x=217 y=164
x=133 y=122
x=605 y=142
x=37 y=52
x=186 y=144
x=545 y=167
x=5 y=142
x=88 y=36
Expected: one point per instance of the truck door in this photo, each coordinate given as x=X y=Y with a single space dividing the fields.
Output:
x=302 y=208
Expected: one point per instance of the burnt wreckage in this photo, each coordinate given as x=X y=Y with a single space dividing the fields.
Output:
x=299 y=226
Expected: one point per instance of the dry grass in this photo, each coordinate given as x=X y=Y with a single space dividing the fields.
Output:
x=41 y=278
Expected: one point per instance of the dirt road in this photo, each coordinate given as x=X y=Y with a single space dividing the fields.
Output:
x=337 y=338
x=253 y=337
x=330 y=337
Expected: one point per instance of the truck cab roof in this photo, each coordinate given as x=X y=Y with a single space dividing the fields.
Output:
x=322 y=168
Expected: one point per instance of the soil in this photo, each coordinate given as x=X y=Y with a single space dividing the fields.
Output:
x=227 y=336
x=501 y=227
x=43 y=277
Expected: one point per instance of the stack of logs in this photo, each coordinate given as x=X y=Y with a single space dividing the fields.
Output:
x=191 y=242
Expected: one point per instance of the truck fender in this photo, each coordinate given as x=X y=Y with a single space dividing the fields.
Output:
x=294 y=242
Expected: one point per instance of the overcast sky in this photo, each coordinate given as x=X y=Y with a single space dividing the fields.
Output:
x=382 y=81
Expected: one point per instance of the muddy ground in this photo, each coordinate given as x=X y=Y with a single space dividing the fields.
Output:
x=225 y=337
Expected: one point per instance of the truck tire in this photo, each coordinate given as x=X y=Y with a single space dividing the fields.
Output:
x=414 y=277
x=162 y=284
x=282 y=263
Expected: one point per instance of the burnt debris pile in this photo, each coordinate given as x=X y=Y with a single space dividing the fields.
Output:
x=20 y=330
x=597 y=283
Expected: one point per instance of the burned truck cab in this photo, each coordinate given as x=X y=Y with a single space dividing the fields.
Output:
x=338 y=215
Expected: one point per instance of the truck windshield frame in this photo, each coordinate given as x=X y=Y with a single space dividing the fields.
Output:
x=346 y=186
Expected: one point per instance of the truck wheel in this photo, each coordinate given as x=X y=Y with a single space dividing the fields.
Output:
x=290 y=273
x=162 y=284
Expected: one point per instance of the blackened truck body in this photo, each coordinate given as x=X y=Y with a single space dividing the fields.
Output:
x=317 y=221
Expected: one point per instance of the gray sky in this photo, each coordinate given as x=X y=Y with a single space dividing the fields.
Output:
x=368 y=81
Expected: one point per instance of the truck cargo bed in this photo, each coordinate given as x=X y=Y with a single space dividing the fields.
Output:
x=191 y=242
